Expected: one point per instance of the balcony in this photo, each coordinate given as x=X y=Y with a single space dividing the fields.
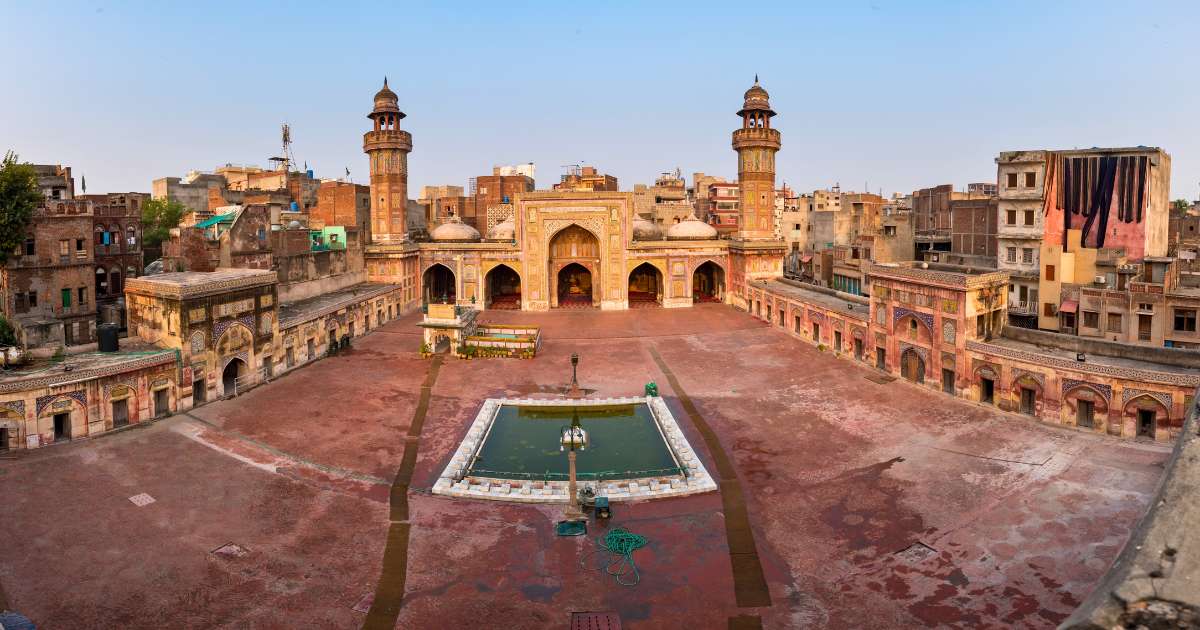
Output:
x=1018 y=307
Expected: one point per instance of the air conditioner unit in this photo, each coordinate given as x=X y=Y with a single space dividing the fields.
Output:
x=1100 y=280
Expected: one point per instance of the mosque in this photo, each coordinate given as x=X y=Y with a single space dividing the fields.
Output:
x=571 y=249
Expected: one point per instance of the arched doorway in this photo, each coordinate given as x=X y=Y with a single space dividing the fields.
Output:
x=912 y=366
x=114 y=281
x=575 y=287
x=229 y=376
x=574 y=268
x=645 y=286
x=439 y=285
x=1147 y=416
x=708 y=283
x=101 y=281
x=503 y=288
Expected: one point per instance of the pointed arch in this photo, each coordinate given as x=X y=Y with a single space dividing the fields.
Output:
x=439 y=284
x=502 y=288
x=645 y=285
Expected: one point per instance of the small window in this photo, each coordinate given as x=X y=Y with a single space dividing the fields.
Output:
x=1030 y=179
x=889 y=230
x=79 y=245
x=21 y=305
x=1145 y=306
x=1012 y=254
x=30 y=246
x=1050 y=273
x=1049 y=310
x=1029 y=217
x=1012 y=217
x=33 y=299
x=1012 y=180
x=1114 y=322
x=1027 y=255
x=64 y=247
x=1091 y=319
x=1185 y=320
x=82 y=295
x=66 y=298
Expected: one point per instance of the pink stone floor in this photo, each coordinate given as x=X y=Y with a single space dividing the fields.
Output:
x=1006 y=522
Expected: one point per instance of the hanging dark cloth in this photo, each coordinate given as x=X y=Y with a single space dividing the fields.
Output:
x=1140 y=184
x=1104 y=204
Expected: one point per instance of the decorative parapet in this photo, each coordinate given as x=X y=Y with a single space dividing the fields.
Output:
x=1184 y=379
x=193 y=284
x=1155 y=581
x=939 y=277
x=86 y=374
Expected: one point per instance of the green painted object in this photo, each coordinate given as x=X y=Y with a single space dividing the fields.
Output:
x=652 y=389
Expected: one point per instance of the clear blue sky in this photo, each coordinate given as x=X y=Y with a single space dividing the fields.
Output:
x=900 y=95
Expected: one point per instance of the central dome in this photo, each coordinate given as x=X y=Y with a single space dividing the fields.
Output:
x=454 y=230
x=645 y=230
x=691 y=229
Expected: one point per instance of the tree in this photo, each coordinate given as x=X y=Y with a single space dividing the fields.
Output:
x=1181 y=205
x=19 y=196
x=159 y=216
x=8 y=336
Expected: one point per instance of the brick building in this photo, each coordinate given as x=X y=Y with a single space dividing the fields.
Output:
x=501 y=187
x=342 y=203
x=973 y=226
x=117 y=242
x=47 y=283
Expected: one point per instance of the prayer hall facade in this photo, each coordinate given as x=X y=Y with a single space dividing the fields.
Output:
x=570 y=249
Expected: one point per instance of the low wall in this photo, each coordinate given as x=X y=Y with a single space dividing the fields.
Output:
x=296 y=291
x=1155 y=580
x=827 y=291
x=1167 y=356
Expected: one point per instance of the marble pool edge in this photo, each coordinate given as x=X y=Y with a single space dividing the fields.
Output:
x=523 y=491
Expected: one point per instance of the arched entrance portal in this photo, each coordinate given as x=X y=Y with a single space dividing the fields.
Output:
x=645 y=286
x=439 y=285
x=912 y=366
x=503 y=288
x=574 y=267
x=575 y=287
x=708 y=283
x=233 y=370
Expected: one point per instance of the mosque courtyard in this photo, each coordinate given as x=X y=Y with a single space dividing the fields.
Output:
x=845 y=500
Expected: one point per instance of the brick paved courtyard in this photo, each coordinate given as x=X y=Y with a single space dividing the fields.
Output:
x=870 y=505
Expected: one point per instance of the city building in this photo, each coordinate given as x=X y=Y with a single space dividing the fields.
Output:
x=342 y=203
x=723 y=203
x=117 y=243
x=973 y=226
x=48 y=284
x=1116 y=198
x=586 y=178
x=499 y=188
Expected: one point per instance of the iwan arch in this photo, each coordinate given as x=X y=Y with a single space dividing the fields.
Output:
x=560 y=249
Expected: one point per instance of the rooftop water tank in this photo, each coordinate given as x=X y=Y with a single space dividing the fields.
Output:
x=310 y=173
x=108 y=337
x=295 y=207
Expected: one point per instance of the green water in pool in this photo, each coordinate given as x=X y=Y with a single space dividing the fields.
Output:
x=623 y=443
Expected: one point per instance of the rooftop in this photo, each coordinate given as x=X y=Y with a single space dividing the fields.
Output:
x=84 y=366
x=188 y=284
x=292 y=313
x=834 y=301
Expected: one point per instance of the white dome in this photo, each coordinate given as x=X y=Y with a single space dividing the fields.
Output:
x=644 y=230
x=505 y=230
x=454 y=230
x=691 y=229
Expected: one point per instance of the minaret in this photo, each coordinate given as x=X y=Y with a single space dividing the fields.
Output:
x=388 y=147
x=756 y=143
